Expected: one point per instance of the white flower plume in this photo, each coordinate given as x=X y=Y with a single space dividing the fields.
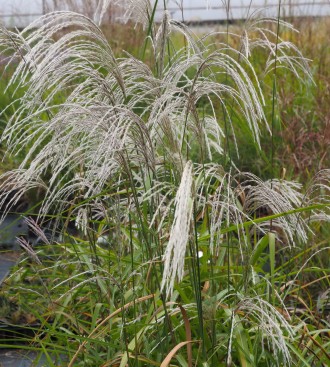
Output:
x=179 y=236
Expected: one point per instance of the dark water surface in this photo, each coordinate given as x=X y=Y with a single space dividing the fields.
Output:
x=10 y=228
x=10 y=253
x=7 y=260
x=22 y=358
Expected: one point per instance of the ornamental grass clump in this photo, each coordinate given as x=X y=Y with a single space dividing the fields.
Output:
x=140 y=153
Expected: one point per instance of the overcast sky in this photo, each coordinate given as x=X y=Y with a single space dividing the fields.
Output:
x=22 y=6
x=320 y=7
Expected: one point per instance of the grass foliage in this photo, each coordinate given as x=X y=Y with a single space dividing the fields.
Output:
x=180 y=257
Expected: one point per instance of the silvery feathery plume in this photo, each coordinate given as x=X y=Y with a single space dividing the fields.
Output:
x=81 y=134
x=286 y=54
x=82 y=220
x=37 y=230
x=176 y=248
x=162 y=194
x=225 y=211
x=206 y=175
x=29 y=249
x=276 y=197
x=272 y=325
x=102 y=7
x=162 y=36
x=174 y=114
x=140 y=11
x=318 y=193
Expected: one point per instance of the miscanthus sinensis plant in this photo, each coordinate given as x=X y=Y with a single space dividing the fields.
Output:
x=141 y=149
